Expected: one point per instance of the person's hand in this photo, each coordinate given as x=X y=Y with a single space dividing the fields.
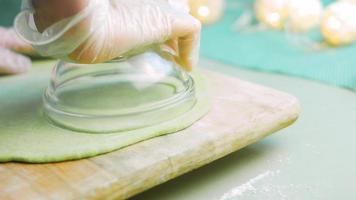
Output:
x=100 y=30
x=11 y=61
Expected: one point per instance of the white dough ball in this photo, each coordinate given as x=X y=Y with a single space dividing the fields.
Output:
x=272 y=13
x=339 y=23
x=301 y=15
x=304 y=14
x=207 y=11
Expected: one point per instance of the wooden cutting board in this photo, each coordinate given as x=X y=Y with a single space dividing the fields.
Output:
x=242 y=113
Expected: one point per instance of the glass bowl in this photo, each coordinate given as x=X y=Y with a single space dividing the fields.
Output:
x=124 y=94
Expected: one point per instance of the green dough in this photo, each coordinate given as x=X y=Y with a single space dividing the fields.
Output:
x=26 y=135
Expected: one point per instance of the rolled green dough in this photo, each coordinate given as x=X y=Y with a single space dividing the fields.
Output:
x=26 y=136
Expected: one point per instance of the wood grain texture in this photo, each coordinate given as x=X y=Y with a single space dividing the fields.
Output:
x=242 y=113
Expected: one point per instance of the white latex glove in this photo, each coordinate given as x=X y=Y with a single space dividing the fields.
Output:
x=10 y=61
x=101 y=30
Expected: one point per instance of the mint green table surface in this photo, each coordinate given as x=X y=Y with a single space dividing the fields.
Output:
x=313 y=159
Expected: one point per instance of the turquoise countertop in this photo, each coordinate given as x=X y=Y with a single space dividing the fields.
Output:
x=312 y=159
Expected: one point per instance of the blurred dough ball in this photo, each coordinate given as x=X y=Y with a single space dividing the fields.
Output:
x=304 y=14
x=301 y=15
x=339 y=23
x=207 y=11
x=272 y=13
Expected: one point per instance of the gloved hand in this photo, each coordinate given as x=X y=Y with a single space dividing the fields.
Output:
x=10 y=45
x=93 y=31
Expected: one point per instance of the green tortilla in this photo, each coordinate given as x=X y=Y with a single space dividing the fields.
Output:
x=27 y=136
